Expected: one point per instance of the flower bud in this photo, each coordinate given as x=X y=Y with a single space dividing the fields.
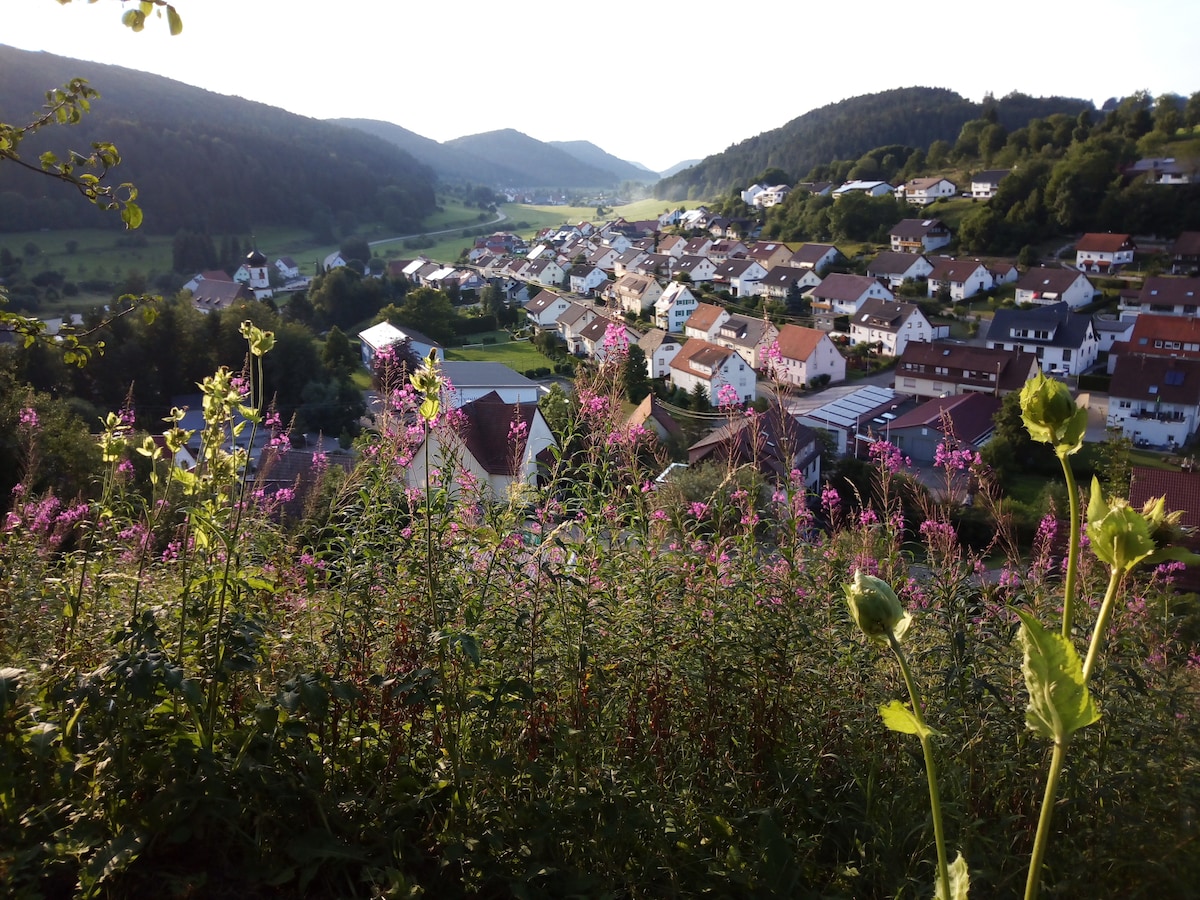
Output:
x=876 y=608
x=1051 y=416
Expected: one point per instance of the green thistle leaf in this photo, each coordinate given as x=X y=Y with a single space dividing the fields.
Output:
x=1059 y=701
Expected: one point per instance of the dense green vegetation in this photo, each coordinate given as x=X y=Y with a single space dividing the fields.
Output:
x=354 y=688
x=203 y=161
x=1066 y=177
x=912 y=117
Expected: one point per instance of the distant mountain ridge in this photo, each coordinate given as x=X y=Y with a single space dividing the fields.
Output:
x=201 y=160
x=509 y=158
x=913 y=116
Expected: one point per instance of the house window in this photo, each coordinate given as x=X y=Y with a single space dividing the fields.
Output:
x=1066 y=355
x=909 y=382
x=941 y=370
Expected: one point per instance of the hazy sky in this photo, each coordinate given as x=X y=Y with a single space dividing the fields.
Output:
x=655 y=83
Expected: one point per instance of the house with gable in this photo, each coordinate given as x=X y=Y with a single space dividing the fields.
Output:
x=923 y=191
x=780 y=281
x=748 y=336
x=1104 y=252
x=502 y=444
x=209 y=295
x=697 y=246
x=771 y=196
x=1045 y=287
x=545 y=272
x=1185 y=254
x=897 y=268
x=769 y=254
x=382 y=335
x=724 y=250
x=674 y=307
x=743 y=277
x=1064 y=342
x=660 y=348
x=1163 y=295
x=472 y=380
x=636 y=293
x=702 y=324
x=940 y=368
x=596 y=334
x=870 y=188
x=775 y=444
x=985 y=183
x=817 y=257
x=572 y=322
x=585 y=279
x=603 y=258
x=843 y=295
x=653 y=416
x=710 y=366
x=889 y=325
x=961 y=279
x=672 y=245
x=287 y=268
x=1155 y=335
x=960 y=421
x=919 y=235
x=545 y=308
x=628 y=261
x=207 y=275
x=1155 y=399
x=805 y=355
x=700 y=269
x=751 y=192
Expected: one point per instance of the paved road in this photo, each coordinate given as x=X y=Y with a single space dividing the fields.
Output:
x=500 y=217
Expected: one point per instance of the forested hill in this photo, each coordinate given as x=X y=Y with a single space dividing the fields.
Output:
x=543 y=165
x=201 y=160
x=913 y=116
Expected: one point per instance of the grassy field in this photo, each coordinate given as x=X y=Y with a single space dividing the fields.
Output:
x=518 y=355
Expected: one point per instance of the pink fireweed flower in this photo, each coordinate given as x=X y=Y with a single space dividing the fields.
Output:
x=888 y=456
x=616 y=342
x=830 y=499
x=727 y=396
x=699 y=510
x=28 y=418
x=517 y=430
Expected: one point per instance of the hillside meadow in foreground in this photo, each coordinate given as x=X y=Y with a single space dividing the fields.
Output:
x=388 y=682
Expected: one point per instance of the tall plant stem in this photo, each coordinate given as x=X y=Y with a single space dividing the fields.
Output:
x=1042 y=840
x=1106 y=609
x=935 y=799
x=1034 y=880
x=1068 y=617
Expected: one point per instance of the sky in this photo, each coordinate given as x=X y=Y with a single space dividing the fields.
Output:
x=654 y=84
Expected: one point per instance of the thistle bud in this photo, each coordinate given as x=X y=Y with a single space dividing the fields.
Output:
x=1051 y=416
x=876 y=608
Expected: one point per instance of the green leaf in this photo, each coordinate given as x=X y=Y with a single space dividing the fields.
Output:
x=1059 y=701
x=131 y=215
x=898 y=717
x=173 y=20
x=960 y=880
x=10 y=687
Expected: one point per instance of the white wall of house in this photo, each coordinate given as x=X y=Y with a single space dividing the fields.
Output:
x=1163 y=424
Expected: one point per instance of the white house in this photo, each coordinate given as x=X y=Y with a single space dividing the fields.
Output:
x=1155 y=399
x=780 y=280
x=383 y=335
x=498 y=442
x=923 y=191
x=843 y=295
x=545 y=308
x=660 y=348
x=984 y=184
x=700 y=269
x=897 y=268
x=817 y=257
x=919 y=235
x=1104 y=252
x=960 y=278
x=890 y=325
x=1043 y=287
x=472 y=380
x=287 y=268
x=585 y=279
x=702 y=324
x=674 y=307
x=771 y=196
x=749 y=336
x=751 y=192
x=711 y=366
x=1164 y=296
x=742 y=276
x=870 y=188
x=806 y=354
x=635 y=293
x=1064 y=342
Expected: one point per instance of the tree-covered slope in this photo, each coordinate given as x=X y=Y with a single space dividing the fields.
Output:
x=589 y=153
x=199 y=159
x=913 y=116
x=542 y=165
